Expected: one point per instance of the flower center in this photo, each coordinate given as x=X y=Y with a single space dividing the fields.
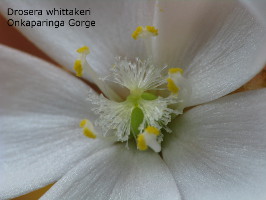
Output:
x=154 y=98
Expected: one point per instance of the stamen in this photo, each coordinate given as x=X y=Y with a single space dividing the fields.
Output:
x=141 y=143
x=172 y=86
x=149 y=138
x=175 y=70
x=143 y=32
x=152 y=30
x=81 y=66
x=78 y=68
x=137 y=32
x=84 y=50
x=152 y=130
x=83 y=123
x=179 y=85
x=87 y=132
x=78 y=65
x=88 y=129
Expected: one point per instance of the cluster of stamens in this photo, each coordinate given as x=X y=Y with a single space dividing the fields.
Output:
x=154 y=98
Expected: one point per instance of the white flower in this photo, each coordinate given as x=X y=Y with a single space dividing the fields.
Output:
x=215 y=151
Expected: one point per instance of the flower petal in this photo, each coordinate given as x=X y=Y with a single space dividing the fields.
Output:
x=219 y=44
x=117 y=173
x=40 y=110
x=111 y=36
x=218 y=150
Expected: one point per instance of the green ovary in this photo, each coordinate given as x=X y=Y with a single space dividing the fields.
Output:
x=137 y=115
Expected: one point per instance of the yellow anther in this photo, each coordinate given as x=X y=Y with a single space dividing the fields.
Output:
x=78 y=68
x=84 y=49
x=144 y=32
x=152 y=130
x=83 y=123
x=137 y=32
x=152 y=30
x=171 y=86
x=87 y=132
x=141 y=143
x=175 y=70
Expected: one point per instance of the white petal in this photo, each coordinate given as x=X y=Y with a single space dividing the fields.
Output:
x=218 y=43
x=40 y=110
x=111 y=36
x=117 y=174
x=258 y=7
x=218 y=150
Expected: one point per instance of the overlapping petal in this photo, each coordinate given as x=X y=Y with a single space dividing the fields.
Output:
x=219 y=44
x=218 y=150
x=40 y=109
x=115 y=20
x=117 y=173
